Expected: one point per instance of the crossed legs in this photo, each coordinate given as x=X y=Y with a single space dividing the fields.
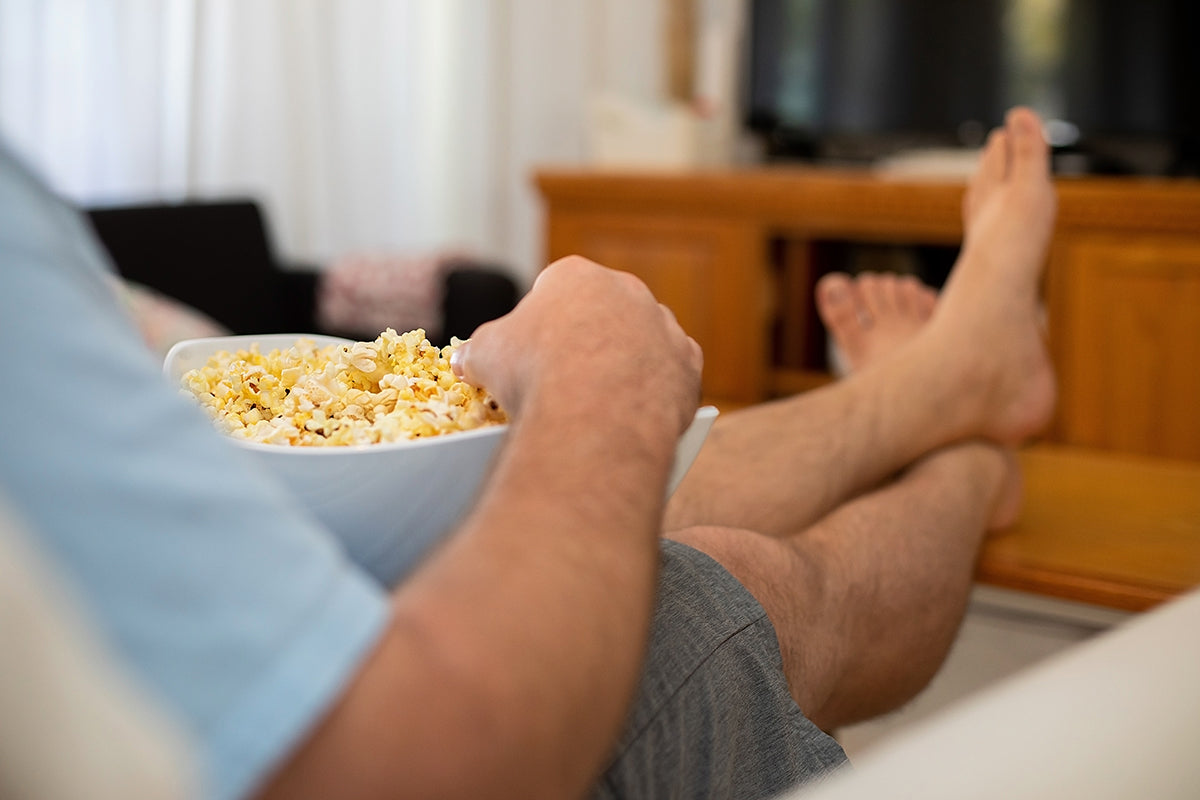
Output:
x=868 y=499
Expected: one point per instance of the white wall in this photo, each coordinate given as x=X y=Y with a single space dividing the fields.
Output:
x=560 y=54
x=398 y=125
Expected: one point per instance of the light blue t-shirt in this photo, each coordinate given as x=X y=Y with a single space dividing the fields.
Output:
x=239 y=614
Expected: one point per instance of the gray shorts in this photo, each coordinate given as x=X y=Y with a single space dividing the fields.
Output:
x=713 y=717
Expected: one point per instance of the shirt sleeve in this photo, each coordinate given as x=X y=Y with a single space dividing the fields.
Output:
x=235 y=610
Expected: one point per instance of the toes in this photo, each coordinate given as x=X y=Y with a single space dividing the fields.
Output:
x=869 y=315
x=926 y=302
x=837 y=301
x=877 y=293
x=913 y=298
x=1017 y=153
x=1029 y=151
x=993 y=165
x=841 y=308
x=901 y=295
x=992 y=169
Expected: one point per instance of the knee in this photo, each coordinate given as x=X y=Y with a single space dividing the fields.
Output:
x=795 y=592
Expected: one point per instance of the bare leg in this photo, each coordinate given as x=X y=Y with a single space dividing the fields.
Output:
x=795 y=460
x=873 y=315
x=867 y=600
x=866 y=603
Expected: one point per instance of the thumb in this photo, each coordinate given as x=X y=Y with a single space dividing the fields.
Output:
x=458 y=361
x=476 y=362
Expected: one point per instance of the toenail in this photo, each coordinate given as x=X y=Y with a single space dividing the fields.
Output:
x=1026 y=123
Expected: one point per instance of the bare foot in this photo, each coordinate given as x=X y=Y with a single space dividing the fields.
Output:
x=986 y=328
x=871 y=315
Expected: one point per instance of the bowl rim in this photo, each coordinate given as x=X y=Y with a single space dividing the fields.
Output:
x=243 y=340
x=327 y=451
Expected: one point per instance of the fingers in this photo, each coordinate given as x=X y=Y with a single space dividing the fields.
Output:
x=584 y=330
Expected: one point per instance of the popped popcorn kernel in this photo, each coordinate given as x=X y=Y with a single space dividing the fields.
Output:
x=396 y=388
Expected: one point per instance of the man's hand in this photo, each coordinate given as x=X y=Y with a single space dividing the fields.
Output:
x=591 y=340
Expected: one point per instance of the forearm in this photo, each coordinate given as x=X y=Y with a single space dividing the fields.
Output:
x=513 y=654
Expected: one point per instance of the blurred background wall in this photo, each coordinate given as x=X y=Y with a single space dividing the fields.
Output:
x=361 y=124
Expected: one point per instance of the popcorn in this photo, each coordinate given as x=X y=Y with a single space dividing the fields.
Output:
x=395 y=388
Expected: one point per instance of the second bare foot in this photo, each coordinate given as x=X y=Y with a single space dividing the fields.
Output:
x=871 y=315
x=986 y=330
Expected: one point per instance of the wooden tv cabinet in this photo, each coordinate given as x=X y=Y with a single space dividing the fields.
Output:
x=732 y=253
x=1113 y=512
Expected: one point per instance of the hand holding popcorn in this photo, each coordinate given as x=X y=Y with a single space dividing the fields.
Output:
x=592 y=340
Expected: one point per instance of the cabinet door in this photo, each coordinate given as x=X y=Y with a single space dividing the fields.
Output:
x=1130 y=354
x=711 y=273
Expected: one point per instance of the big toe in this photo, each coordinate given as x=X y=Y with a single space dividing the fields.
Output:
x=1030 y=152
x=841 y=309
x=837 y=302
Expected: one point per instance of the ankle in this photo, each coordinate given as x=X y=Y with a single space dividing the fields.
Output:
x=987 y=471
x=953 y=382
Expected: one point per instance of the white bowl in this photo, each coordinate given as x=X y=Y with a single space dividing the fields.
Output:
x=390 y=502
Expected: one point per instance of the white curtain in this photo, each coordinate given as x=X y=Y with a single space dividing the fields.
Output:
x=398 y=125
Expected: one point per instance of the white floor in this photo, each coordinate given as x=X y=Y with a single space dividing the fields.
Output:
x=1003 y=633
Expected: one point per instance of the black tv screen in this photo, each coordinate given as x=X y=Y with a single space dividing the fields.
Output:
x=864 y=78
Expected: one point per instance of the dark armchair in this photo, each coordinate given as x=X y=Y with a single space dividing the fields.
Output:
x=217 y=257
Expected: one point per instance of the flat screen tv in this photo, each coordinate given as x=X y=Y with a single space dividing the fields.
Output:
x=1117 y=80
